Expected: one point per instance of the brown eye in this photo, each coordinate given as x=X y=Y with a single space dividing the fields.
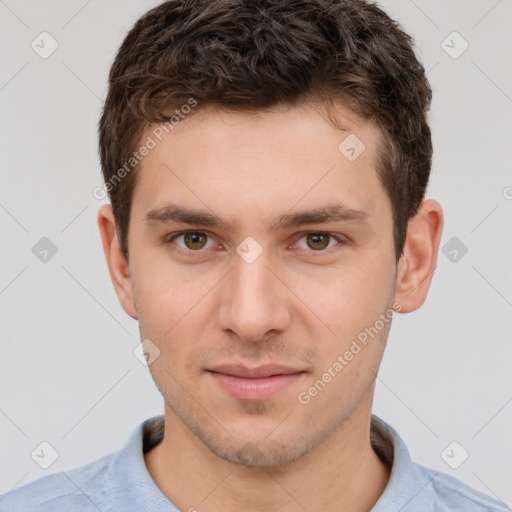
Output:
x=317 y=241
x=194 y=240
x=191 y=244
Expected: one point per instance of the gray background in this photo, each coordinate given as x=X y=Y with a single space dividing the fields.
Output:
x=68 y=373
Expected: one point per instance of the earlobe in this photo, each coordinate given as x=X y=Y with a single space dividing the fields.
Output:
x=419 y=259
x=116 y=261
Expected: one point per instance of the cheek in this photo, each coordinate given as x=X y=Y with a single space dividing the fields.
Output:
x=172 y=308
x=346 y=300
x=164 y=293
x=347 y=329
x=166 y=313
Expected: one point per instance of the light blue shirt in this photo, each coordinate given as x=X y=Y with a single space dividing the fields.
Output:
x=120 y=482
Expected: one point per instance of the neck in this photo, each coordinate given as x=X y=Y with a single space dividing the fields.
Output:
x=342 y=473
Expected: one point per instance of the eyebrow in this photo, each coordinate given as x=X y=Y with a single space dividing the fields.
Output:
x=172 y=212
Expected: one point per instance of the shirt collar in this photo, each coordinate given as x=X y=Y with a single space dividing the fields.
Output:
x=138 y=491
x=408 y=486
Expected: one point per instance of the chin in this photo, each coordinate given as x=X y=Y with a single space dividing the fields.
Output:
x=250 y=450
x=262 y=455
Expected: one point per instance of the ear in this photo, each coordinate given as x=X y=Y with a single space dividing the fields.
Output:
x=116 y=260
x=419 y=259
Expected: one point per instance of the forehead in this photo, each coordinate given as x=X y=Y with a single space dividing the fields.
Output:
x=261 y=164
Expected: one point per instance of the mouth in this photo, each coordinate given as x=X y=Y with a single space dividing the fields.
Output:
x=256 y=383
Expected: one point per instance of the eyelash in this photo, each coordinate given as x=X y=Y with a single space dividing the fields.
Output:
x=192 y=254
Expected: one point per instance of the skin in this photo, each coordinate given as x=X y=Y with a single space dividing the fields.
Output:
x=296 y=304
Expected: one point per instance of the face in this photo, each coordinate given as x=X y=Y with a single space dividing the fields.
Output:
x=260 y=256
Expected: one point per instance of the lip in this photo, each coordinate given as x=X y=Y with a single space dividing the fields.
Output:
x=266 y=370
x=257 y=383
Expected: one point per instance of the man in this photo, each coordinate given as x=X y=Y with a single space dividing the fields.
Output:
x=266 y=163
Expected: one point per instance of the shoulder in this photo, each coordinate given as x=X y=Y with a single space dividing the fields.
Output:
x=116 y=481
x=416 y=488
x=449 y=494
x=84 y=488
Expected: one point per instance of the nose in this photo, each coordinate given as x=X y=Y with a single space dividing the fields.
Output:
x=254 y=302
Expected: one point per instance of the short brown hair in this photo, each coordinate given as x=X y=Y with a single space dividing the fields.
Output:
x=248 y=55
